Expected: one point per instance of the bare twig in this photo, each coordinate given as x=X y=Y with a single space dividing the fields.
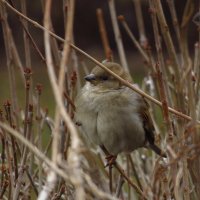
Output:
x=134 y=171
x=32 y=183
x=175 y=22
x=167 y=36
x=27 y=75
x=39 y=118
x=96 y=191
x=140 y=23
x=51 y=177
x=119 y=186
x=164 y=103
x=58 y=97
x=13 y=142
x=24 y=155
x=8 y=40
x=196 y=75
x=121 y=171
x=160 y=55
x=103 y=34
x=134 y=40
x=26 y=40
x=118 y=37
x=35 y=150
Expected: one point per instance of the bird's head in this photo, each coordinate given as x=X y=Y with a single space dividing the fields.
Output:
x=102 y=79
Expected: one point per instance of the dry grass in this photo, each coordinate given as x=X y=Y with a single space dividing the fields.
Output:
x=63 y=167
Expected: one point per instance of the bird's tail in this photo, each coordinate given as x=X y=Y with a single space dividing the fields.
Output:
x=157 y=150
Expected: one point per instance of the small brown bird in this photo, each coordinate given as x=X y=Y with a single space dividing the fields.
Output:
x=112 y=115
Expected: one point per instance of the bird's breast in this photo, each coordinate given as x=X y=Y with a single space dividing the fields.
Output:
x=111 y=118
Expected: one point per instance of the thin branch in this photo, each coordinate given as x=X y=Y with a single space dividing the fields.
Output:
x=159 y=51
x=35 y=150
x=119 y=186
x=39 y=131
x=26 y=40
x=58 y=97
x=134 y=40
x=103 y=34
x=95 y=190
x=13 y=142
x=8 y=42
x=140 y=23
x=52 y=165
x=121 y=171
x=134 y=171
x=175 y=21
x=118 y=37
x=167 y=36
x=164 y=101
x=51 y=177
x=24 y=155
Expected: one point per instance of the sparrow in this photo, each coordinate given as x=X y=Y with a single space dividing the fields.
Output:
x=112 y=115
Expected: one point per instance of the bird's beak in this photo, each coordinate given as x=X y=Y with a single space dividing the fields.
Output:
x=90 y=77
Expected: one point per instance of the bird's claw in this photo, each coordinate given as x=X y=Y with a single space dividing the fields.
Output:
x=110 y=160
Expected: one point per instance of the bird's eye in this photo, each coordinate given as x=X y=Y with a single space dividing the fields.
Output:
x=103 y=78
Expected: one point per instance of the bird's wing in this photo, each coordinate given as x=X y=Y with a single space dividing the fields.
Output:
x=147 y=122
x=149 y=128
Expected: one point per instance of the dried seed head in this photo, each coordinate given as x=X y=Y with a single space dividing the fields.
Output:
x=27 y=73
x=73 y=78
x=39 y=88
x=121 y=18
x=30 y=107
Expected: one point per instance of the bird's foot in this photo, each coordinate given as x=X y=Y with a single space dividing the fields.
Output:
x=110 y=160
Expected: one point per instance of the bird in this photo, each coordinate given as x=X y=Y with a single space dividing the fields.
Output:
x=113 y=116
